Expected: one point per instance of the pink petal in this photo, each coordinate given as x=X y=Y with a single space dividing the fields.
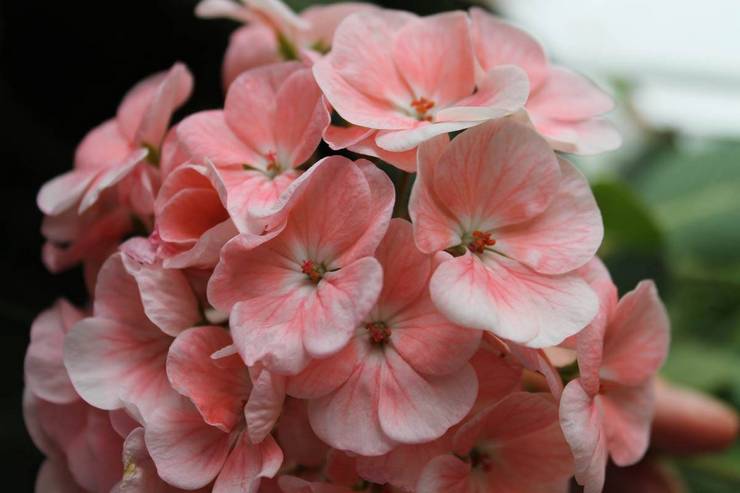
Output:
x=301 y=116
x=206 y=136
x=565 y=236
x=296 y=438
x=497 y=294
x=498 y=373
x=249 y=47
x=414 y=409
x=628 y=414
x=64 y=191
x=432 y=49
x=264 y=406
x=498 y=43
x=359 y=76
x=102 y=147
x=145 y=112
x=247 y=464
x=44 y=370
x=292 y=484
x=325 y=375
x=586 y=137
x=582 y=422
x=406 y=140
x=502 y=91
x=54 y=477
x=343 y=137
x=496 y=174
x=111 y=177
x=117 y=296
x=205 y=253
x=448 y=474
x=188 y=452
x=251 y=105
x=637 y=337
x=348 y=418
x=218 y=388
x=189 y=214
x=538 y=361
x=109 y=363
x=568 y=96
x=323 y=20
x=405 y=160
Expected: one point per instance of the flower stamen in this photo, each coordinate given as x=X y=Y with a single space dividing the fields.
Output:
x=480 y=241
x=379 y=332
x=314 y=272
x=422 y=106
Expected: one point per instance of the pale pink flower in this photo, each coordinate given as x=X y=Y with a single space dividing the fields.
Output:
x=274 y=32
x=90 y=208
x=212 y=435
x=116 y=358
x=412 y=78
x=608 y=409
x=563 y=106
x=403 y=377
x=272 y=122
x=519 y=221
x=192 y=223
x=299 y=291
x=513 y=446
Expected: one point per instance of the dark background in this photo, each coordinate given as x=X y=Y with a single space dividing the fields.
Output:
x=64 y=67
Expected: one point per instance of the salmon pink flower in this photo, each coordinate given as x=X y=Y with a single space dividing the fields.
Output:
x=299 y=291
x=518 y=221
x=564 y=107
x=205 y=435
x=272 y=122
x=608 y=409
x=514 y=445
x=412 y=78
x=116 y=358
x=88 y=209
x=404 y=377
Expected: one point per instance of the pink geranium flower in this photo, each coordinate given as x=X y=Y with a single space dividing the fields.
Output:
x=298 y=291
x=272 y=122
x=404 y=377
x=209 y=434
x=413 y=78
x=513 y=446
x=519 y=221
x=564 y=107
x=89 y=208
x=274 y=32
x=608 y=409
x=116 y=358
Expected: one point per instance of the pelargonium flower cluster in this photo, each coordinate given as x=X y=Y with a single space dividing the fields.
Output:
x=266 y=317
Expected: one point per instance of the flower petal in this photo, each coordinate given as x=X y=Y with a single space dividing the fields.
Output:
x=247 y=464
x=628 y=414
x=568 y=96
x=264 y=406
x=446 y=473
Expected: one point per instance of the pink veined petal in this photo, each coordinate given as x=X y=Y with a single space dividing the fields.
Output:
x=188 y=452
x=292 y=484
x=446 y=474
x=323 y=20
x=208 y=9
x=502 y=91
x=206 y=136
x=249 y=47
x=582 y=422
x=347 y=419
x=111 y=177
x=251 y=105
x=190 y=213
x=434 y=55
x=166 y=295
x=301 y=117
x=414 y=409
x=122 y=422
x=217 y=387
x=405 y=140
x=499 y=374
x=628 y=414
x=102 y=147
x=496 y=174
x=499 y=43
x=536 y=360
x=247 y=464
x=297 y=439
x=264 y=406
x=637 y=337
x=585 y=137
x=325 y=375
x=54 y=477
x=405 y=160
x=109 y=362
x=278 y=14
x=44 y=370
x=206 y=251
x=343 y=137
x=435 y=228
x=568 y=96
x=63 y=192
x=499 y=295
x=359 y=76
x=565 y=236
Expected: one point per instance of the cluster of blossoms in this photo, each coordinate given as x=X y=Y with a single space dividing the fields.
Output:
x=265 y=320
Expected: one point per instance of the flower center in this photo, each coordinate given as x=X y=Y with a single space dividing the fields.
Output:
x=273 y=168
x=422 y=106
x=315 y=272
x=480 y=460
x=480 y=241
x=379 y=332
